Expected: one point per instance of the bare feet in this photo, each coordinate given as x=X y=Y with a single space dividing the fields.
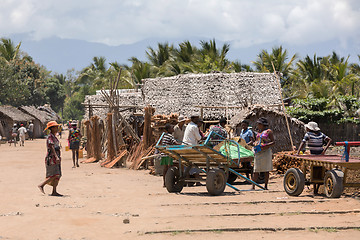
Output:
x=56 y=194
x=41 y=189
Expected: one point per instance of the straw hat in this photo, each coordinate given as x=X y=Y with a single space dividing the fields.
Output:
x=181 y=118
x=51 y=124
x=313 y=126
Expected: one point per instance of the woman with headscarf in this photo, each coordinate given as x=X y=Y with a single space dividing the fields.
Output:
x=52 y=160
x=263 y=154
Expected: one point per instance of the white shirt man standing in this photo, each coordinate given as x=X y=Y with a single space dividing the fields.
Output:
x=22 y=131
x=192 y=135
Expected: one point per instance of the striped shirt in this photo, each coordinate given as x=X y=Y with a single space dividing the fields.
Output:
x=168 y=139
x=315 y=142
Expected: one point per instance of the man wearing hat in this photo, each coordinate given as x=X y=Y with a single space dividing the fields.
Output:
x=179 y=129
x=315 y=139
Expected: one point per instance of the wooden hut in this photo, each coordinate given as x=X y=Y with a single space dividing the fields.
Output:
x=41 y=118
x=277 y=123
x=212 y=95
x=9 y=116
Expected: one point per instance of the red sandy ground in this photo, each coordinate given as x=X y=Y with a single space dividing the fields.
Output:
x=98 y=200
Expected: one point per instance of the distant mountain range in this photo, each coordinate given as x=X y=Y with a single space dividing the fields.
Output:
x=59 y=55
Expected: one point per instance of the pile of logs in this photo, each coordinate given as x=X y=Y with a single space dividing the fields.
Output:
x=159 y=122
x=282 y=161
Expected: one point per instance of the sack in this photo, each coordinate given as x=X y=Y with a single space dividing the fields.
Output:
x=14 y=135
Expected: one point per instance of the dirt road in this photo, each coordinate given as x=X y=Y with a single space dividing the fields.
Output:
x=104 y=203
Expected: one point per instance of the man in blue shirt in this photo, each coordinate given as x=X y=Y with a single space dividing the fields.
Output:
x=246 y=133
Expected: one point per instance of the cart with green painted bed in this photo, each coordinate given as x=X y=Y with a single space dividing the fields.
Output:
x=215 y=166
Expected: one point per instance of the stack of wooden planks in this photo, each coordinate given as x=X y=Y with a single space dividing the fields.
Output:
x=282 y=161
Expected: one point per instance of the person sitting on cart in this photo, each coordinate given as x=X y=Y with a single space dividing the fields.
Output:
x=315 y=139
x=167 y=139
x=219 y=132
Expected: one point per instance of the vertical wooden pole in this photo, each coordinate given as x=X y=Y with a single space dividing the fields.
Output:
x=147 y=136
x=96 y=137
x=110 y=139
x=283 y=105
x=89 y=146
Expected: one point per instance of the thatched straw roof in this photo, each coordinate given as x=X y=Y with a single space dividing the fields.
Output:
x=15 y=114
x=42 y=116
x=277 y=123
x=181 y=93
x=52 y=115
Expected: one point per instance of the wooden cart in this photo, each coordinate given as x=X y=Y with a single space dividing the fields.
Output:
x=214 y=166
x=330 y=170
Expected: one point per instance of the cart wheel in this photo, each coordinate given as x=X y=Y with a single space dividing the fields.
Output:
x=172 y=182
x=232 y=178
x=294 y=182
x=333 y=183
x=215 y=182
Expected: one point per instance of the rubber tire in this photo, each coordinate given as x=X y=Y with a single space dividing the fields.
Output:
x=333 y=184
x=172 y=183
x=215 y=182
x=232 y=178
x=294 y=182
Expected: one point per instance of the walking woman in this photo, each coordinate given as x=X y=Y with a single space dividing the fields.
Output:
x=263 y=154
x=52 y=160
x=74 y=140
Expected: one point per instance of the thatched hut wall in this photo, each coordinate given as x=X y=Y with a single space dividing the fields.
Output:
x=9 y=116
x=41 y=118
x=277 y=123
x=181 y=93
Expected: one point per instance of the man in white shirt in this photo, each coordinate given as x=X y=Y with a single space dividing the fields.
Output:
x=22 y=131
x=192 y=135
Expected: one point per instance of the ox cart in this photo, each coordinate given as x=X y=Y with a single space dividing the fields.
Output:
x=214 y=166
x=329 y=170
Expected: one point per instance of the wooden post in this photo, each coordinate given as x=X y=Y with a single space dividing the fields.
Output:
x=96 y=137
x=283 y=105
x=147 y=136
x=89 y=146
x=110 y=146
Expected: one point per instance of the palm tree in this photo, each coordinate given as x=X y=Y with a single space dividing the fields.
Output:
x=279 y=57
x=161 y=55
x=8 y=50
x=213 y=57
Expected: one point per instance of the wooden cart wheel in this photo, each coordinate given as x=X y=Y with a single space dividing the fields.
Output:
x=333 y=183
x=172 y=181
x=232 y=178
x=294 y=182
x=215 y=182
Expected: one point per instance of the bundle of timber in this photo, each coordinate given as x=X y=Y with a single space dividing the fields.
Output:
x=159 y=122
x=282 y=161
x=118 y=161
x=138 y=155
